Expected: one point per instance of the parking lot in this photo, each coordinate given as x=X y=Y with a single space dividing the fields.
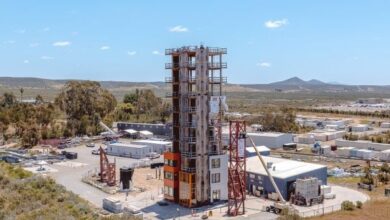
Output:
x=70 y=173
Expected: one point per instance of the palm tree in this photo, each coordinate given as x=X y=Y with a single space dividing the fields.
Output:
x=21 y=94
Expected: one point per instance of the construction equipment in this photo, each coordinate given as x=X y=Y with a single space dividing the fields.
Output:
x=112 y=135
x=277 y=207
x=107 y=169
x=307 y=192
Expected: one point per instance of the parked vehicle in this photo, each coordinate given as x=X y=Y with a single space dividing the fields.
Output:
x=90 y=145
x=153 y=155
x=95 y=152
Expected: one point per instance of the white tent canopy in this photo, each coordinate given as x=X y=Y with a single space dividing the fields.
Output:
x=130 y=131
x=146 y=134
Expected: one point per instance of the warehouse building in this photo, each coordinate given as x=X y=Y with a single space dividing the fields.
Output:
x=270 y=139
x=263 y=150
x=129 y=150
x=285 y=173
x=157 y=146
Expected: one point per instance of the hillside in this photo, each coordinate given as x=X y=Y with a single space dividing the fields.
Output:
x=293 y=88
x=296 y=84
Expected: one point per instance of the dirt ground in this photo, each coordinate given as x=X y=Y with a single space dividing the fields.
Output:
x=145 y=178
x=378 y=208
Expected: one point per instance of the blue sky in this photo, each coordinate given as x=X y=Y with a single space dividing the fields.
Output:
x=345 y=41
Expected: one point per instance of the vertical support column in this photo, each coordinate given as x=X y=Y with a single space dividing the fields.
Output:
x=202 y=114
x=237 y=168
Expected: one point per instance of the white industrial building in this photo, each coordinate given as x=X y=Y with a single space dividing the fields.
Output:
x=218 y=166
x=385 y=155
x=344 y=151
x=334 y=124
x=359 y=128
x=305 y=139
x=129 y=150
x=285 y=173
x=263 y=150
x=270 y=139
x=362 y=145
x=365 y=154
x=385 y=125
x=157 y=146
x=326 y=150
x=327 y=135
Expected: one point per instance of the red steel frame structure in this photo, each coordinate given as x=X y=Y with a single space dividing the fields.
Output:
x=237 y=168
x=107 y=169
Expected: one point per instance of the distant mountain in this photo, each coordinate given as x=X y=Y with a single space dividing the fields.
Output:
x=295 y=84
x=51 y=87
x=295 y=81
x=316 y=82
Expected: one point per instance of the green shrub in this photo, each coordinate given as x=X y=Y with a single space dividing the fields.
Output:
x=347 y=205
x=359 y=204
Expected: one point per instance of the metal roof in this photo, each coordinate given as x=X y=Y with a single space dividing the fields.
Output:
x=284 y=168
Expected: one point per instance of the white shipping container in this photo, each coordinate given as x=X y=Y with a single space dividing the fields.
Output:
x=325 y=189
x=344 y=151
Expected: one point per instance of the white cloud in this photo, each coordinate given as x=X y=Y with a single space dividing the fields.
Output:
x=131 y=53
x=264 y=64
x=34 y=45
x=275 y=23
x=156 y=52
x=62 y=43
x=26 y=61
x=178 y=28
x=105 y=48
x=46 y=29
x=47 y=58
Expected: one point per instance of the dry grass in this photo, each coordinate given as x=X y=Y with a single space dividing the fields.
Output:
x=377 y=208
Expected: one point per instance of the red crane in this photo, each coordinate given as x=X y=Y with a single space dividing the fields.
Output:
x=107 y=169
x=237 y=168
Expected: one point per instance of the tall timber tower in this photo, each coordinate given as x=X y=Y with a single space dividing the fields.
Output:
x=195 y=170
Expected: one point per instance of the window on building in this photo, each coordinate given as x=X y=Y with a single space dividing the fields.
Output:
x=171 y=163
x=215 y=177
x=216 y=163
x=168 y=175
x=168 y=190
x=216 y=195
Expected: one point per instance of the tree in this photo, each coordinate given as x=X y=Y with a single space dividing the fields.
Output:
x=21 y=94
x=8 y=100
x=131 y=98
x=83 y=103
x=30 y=135
x=39 y=100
